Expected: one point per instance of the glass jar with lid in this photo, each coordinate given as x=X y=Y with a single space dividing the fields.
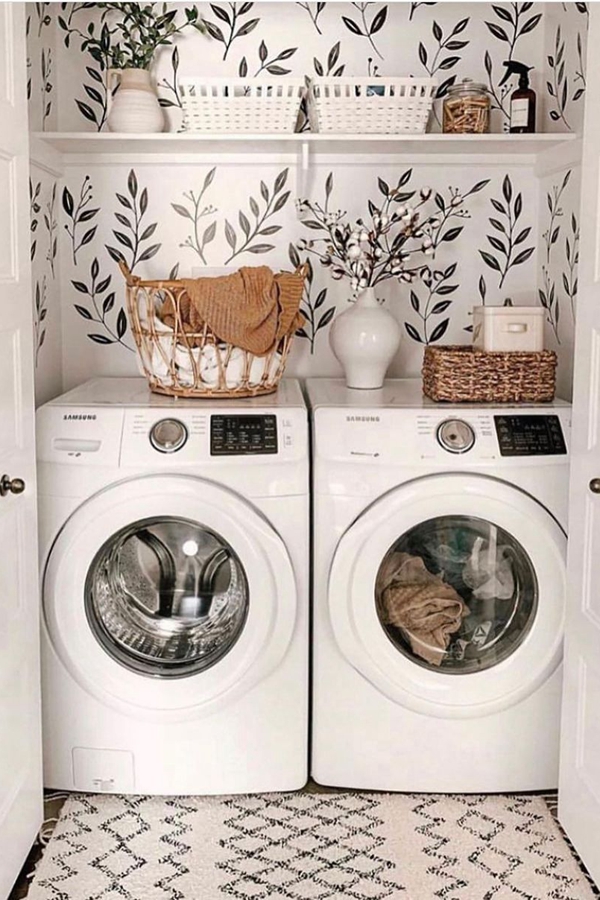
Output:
x=466 y=108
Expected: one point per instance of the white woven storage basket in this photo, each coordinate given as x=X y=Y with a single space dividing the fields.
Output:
x=370 y=105
x=230 y=105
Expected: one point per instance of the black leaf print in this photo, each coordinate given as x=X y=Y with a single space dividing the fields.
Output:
x=137 y=204
x=311 y=304
x=34 y=210
x=273 y=204
x=99 y=308
x=439 y=331
x=436 y=60
x=514 y=28
x=78 y=213
x=414 y=7
x=231 y=21
x=314 y=15
x=569 y=278
x=510 y=210
x=413 y=333
x=171 y=86
x=51 y=223
x=267 y=64
x=332 y=67
x=40 y=312
x=364 y=28
x=548 y=294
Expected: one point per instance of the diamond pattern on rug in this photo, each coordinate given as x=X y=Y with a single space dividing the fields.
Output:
x=308 y=846
x=327 y=860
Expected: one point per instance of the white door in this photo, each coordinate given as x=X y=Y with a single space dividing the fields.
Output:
x=20 y=754
x=579 y=796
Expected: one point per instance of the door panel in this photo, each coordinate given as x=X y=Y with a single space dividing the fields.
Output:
x=579 y=789
x=8 y=176
x=7 y=34
x=20 y=742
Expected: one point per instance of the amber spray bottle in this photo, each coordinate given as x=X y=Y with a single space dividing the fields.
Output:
x=522 y=101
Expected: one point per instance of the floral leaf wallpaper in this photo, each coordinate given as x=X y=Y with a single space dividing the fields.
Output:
x=548 y=293
x=369 y=22
x=98 y=308
x=435 y=62
x=134 y=232
x=509 y=236
x=79 y=212
x=51 y=223
x=195 y=212
x=314 y=10
x=170 y=217
x=245 y=240
x=231 y=27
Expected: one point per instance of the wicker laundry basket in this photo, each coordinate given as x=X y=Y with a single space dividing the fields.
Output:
x=351 y=105
x=460 y=374
x=180 y=362
x=238 y=105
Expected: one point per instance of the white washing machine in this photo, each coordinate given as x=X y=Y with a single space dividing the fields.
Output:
x=174 y=541
x=439 y=591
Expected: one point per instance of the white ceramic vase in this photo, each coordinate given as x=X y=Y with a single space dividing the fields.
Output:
x=134 y=108
x=364 y=339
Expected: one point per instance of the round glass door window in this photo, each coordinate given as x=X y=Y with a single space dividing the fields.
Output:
x=456 y=594
x=166 y=597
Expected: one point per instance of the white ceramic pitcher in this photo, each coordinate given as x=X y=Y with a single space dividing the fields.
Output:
x=134 y=108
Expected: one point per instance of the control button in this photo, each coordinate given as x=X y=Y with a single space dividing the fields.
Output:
x=456 y=436
x=168 y=435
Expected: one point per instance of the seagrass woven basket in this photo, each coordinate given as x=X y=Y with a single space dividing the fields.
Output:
x=181 y=362
x=460 y=374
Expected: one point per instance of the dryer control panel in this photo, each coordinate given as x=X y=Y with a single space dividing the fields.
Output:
x=539 y=435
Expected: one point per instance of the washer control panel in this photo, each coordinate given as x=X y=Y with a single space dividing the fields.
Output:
x=539 y=435
x=168 y=435
x=242 y=435
x=455 y=435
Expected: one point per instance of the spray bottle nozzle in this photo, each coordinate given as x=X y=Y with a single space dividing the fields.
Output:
x=517 y=68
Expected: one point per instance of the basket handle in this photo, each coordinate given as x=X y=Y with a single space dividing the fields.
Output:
x=128 y=275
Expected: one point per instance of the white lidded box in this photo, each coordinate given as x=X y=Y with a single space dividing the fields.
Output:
x=505 y=329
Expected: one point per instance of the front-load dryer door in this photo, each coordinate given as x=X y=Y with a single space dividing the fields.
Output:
x=448 y=595
x=169 y=594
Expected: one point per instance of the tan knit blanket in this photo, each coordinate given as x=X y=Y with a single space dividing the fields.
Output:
x=252 y=308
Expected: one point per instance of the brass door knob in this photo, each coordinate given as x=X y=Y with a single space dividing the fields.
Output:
x=11 y=485
x=595 y=485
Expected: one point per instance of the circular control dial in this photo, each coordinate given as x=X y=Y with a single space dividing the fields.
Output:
x=168 y=435
x=455 y=436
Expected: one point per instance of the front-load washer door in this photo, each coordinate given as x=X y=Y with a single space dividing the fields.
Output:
x=448 y=595
x=169 y=593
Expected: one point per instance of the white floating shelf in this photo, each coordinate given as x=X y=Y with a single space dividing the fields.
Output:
x=133 y=146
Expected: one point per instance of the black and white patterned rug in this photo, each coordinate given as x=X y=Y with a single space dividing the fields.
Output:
x=308 y=846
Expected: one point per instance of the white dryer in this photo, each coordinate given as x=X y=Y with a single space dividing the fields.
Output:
x=439 y=591
x=174 y=541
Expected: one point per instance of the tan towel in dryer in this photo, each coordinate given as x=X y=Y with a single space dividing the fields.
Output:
x=422 y=605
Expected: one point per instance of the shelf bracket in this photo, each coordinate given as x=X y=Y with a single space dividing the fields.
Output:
x=303 y=171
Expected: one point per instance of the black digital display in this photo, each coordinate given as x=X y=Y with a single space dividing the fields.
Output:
x=530 y=435
x=242 y=435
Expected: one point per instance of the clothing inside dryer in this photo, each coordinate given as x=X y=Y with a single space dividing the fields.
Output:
x=166 y=596
x=456 y=593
